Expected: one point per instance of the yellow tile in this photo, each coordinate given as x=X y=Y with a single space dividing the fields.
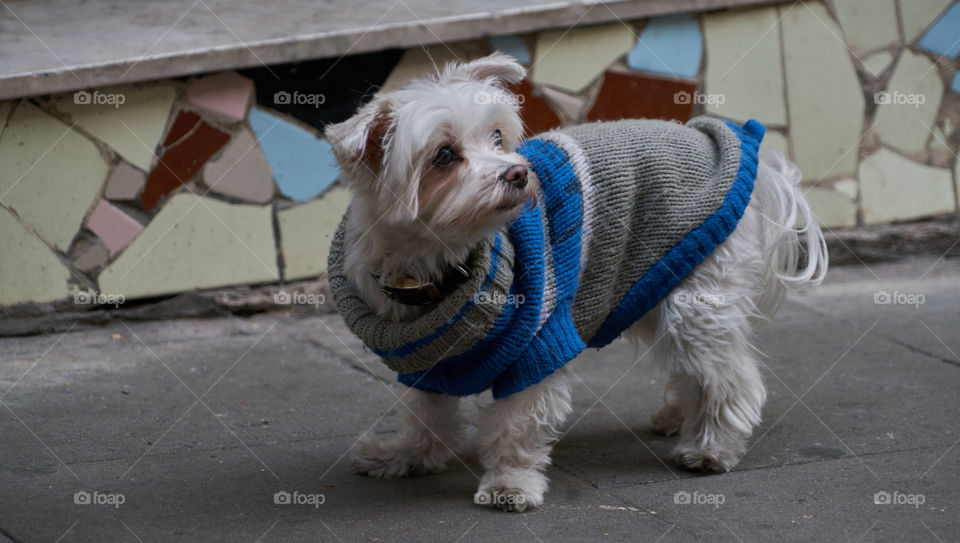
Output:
x=193 y=243
x=51 y=174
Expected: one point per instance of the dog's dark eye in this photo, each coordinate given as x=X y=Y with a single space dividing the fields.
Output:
x=497 y=138
x=445 y=156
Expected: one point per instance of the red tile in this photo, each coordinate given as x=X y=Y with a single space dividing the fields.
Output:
x=538 y=116
x=635 y=96
x=189 y=144
x=182 y=125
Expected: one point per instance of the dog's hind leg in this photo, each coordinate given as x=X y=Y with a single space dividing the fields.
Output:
x=704 y=331
x=431 y=427
x=705 y=325
x=516 y=436
x=716 y=392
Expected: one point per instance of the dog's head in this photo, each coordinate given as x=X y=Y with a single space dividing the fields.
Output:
x=440 y=151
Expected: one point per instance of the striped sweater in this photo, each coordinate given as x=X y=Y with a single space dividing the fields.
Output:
x=625 y=211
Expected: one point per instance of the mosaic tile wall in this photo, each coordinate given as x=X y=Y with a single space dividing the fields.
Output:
x=148 y=190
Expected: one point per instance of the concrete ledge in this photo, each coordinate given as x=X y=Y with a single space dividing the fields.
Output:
x=58 y=45
x=31 y=319
x=884 y=243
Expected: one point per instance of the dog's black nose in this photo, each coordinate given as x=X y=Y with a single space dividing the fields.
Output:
x=515 y=175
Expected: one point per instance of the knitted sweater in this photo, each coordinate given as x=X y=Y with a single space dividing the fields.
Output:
x=625 y=211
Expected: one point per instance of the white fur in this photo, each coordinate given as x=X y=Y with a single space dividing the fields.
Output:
x=701 y=333
x=392 y=232
x=432 y=428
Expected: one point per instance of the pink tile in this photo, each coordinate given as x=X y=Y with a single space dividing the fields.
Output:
x=114 y=227
x=226 y=93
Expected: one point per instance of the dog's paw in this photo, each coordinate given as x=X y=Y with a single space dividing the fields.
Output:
x=375 y=459
x=516 y=490
x=668 y=420
x=699 y=459
x=516 y=500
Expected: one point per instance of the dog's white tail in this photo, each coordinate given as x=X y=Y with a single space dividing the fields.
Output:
x=780 y=201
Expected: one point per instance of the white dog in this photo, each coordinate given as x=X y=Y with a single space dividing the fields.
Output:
x=436 y=180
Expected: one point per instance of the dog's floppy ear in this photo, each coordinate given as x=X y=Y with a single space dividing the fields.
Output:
x=359 y=142
x=498 y=66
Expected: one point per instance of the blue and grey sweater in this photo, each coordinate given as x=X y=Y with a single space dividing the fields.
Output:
x=625 y=211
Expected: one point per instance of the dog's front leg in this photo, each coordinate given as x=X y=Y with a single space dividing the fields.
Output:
x=516 y=435
x=430 y=431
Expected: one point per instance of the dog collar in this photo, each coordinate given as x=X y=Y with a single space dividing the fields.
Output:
x=408 y=292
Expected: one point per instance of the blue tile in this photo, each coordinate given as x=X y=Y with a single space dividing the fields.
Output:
x=513 y=46
x=956 y=82
x=943 y=38
x=302 y=164
x=669 y=45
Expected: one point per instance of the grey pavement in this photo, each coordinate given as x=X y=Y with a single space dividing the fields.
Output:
x=185 y=430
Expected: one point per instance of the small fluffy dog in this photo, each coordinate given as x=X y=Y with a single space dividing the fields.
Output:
x=448 y=200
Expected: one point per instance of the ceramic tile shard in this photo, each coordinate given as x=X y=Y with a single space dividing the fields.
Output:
x=91 y=257
x=916 y=16
x=114 y=227
x=241 y=171
x=878 y=63
x=670 y=45
x=194 y=243
x=129 y=119
x=907 y=109
x=824 y=95
x=894 y=188
x=226 y=93
x=832 y=208
x=125 y=182
x=571 y=59
x=868 y=24
x=634 y=96
x=306 y=232
x=943 y=38
x=190 y=142
x=513 y=46
x=51 y=174
x=744 y=73
x=29 y=271
x=302 y=164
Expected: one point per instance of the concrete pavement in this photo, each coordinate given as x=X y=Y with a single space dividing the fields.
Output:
x=186 y=430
